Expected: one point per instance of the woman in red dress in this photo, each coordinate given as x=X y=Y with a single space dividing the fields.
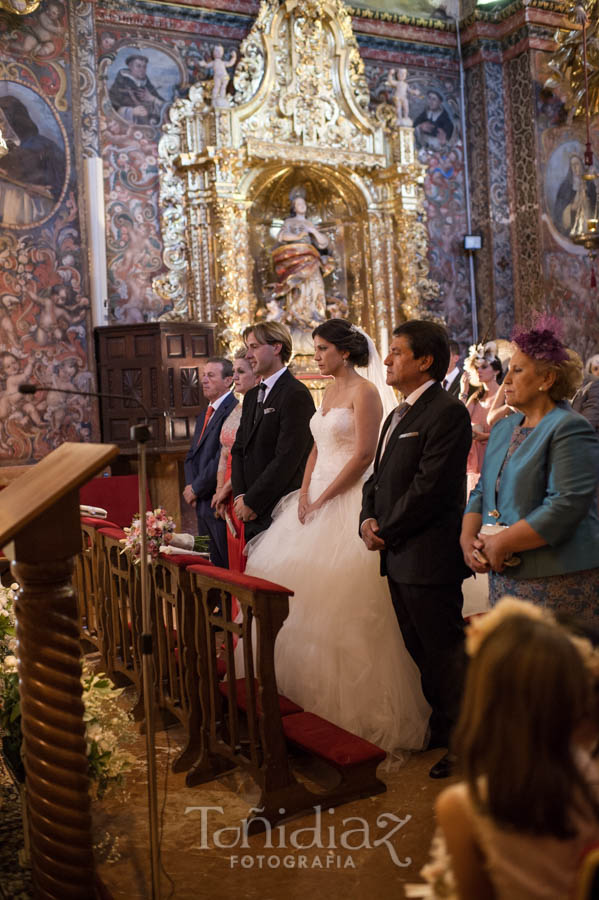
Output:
x=243 y=380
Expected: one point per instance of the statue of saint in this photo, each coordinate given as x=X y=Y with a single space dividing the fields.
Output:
x=301 y=260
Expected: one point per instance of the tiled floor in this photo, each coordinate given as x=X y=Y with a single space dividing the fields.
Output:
x=367 y=848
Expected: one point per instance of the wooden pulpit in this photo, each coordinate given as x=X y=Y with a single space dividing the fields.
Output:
x=41 y=534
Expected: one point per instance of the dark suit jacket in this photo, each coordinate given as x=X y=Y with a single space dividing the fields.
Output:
x=269 y=456
x=454 y=387
x=201 y=462
x=417 y=491
x=586 y=402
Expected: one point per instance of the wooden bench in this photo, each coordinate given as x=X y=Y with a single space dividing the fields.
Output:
x=174 y=651
x=119 y=496
x=119 y=608
x=245 y=722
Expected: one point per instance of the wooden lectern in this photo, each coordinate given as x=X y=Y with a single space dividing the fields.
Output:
x=40 y=533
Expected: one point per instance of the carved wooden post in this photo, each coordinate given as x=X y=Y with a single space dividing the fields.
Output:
x=39 y=513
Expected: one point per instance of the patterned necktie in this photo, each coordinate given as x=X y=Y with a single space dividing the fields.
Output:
x=207 y=417
x=260 y=401
x=398 y=414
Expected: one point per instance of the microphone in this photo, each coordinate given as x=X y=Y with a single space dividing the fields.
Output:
x=34 y=388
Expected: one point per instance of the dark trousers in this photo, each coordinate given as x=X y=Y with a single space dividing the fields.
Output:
x=216 y=531
x=257 y=526
x=430 y=618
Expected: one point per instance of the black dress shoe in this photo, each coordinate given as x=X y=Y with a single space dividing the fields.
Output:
x=445 y=767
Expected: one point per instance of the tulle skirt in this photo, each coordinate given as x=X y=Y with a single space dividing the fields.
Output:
x=340 y=653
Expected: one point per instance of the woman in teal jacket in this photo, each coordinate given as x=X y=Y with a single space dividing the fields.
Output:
x=539 y=479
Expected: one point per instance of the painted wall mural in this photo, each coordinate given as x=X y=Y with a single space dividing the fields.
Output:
x=141 y=69
x=567 y=201
x=434 y=109
x=413 y=8
x=44 y=310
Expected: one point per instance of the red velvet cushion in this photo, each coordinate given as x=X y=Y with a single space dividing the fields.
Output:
x=116 y=533
x=246 y=581
x=118 y=495
x=287 y=707
x=183 y=560
x=98 y=523
x=331 y=743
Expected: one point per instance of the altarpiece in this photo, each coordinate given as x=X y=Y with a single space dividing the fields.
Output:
x=299 y=121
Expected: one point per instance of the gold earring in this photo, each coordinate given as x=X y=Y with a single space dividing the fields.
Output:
x=541 y=388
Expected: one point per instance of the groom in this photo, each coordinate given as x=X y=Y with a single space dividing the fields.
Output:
x=412 y=509
x=273 y=440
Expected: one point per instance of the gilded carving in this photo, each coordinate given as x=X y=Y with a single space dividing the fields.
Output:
x=300 y=109
x=568 y=63
x=20 y=7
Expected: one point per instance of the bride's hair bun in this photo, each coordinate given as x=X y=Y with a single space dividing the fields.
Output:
x=345 y=336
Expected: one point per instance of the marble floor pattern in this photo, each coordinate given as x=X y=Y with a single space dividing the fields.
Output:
x=378 y=844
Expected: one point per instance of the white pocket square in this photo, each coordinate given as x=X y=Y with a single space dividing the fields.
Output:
x=270 y=409
x=408 y=434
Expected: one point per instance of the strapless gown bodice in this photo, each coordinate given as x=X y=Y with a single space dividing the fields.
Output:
x=335 y=440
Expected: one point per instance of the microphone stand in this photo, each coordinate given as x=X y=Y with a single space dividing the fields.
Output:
x=141 y=434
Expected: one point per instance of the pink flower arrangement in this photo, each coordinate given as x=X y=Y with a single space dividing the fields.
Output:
x=159 y=527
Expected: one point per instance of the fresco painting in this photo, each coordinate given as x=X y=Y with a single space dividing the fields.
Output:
x=44 y=309
x=442 y=9
x=567 y=202
x=33 y=173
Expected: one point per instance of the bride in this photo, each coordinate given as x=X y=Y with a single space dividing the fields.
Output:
x=340 y=653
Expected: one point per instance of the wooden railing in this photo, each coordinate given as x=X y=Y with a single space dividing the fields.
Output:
x=215 y=674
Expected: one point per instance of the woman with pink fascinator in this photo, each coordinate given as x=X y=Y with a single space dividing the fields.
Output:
x=531 y=521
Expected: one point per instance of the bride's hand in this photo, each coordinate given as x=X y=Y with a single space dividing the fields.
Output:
x=311 y=508
x=302 y=507
x=308 y=509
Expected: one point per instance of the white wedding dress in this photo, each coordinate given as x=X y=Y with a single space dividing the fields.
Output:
x=340 y=653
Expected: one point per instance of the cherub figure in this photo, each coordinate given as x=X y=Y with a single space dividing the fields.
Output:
x=65 y=376
x=397 y=79
x=44 y=31
x=10 y=399
x=221 y=76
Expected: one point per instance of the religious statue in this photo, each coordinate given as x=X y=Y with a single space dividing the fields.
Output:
x=301 y=260
x=20 y=7
x=576 y=200
x=220 y=75
x=397 y=79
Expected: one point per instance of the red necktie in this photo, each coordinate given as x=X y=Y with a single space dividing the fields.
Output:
x=209 y=411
